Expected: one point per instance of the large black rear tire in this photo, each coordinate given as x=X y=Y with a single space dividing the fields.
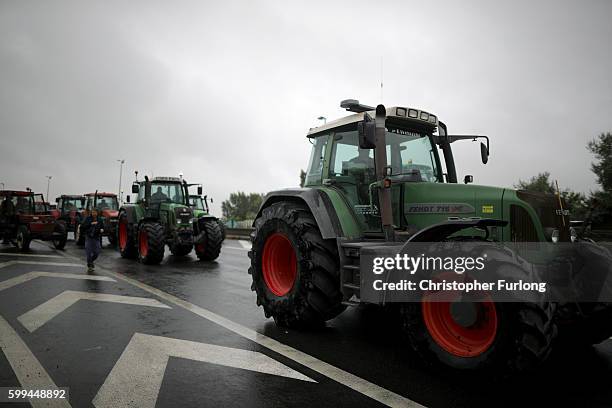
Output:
x=523 y=338
x=211 y=239
x=151 y=243
x=294 y=270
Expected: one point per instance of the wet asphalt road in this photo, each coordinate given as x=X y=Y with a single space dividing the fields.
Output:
x=188 y=334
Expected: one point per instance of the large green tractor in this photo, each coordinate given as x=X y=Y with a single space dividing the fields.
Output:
x=383 y=176
x=162 y=216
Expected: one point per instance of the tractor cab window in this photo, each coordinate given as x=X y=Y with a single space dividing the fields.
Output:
x=23 y=204
x=315 y=165
x=412 y=154
x=40 y=206
x=72 y=204
x=167 y=193
x=107 y=203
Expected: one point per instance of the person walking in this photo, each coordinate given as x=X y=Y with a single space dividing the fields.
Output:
x=92 y=229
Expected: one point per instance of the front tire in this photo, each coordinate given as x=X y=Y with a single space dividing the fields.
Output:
x=151 y=244
x=505 y=337
x=60 y=243
x=211 y=239
x=294 y=270
x=23 y=238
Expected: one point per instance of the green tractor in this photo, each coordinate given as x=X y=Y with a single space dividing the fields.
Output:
x=162 y=216
x=201 y=209
x=378 y=178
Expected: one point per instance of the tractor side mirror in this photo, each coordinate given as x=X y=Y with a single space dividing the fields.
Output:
x=484 y=153
x=57 y=199
x=468 y=179
x=135 y=188
x=367 y=134
x=127 y=199
x=199 y=190
x=211 y=200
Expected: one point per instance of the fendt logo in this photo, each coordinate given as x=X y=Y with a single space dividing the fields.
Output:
x=440 y=208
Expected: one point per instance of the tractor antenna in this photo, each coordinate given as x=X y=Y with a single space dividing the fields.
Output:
x=381 y=79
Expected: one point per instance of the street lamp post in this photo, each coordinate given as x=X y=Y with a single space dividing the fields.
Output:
x=48 y=182
x=121 y=161
x=2 y=185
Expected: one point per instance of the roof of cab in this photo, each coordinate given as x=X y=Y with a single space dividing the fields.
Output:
x=396 y=112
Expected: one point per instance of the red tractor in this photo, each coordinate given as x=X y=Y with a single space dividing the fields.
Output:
x=108 y=207
x=68 y=207
x=25 y=216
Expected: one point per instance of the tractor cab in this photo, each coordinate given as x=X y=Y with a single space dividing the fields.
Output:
x=374 y=168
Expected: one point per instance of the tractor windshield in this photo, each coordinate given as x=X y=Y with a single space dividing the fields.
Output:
x=74 y=204
x=107 y=203
x=167 y=193
x=412 y=153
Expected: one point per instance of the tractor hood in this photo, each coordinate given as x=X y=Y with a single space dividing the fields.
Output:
x=429 y=203
x=531 y=216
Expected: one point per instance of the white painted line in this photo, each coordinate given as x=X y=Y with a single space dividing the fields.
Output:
x=9 y=263
x=136 y=378
x=9 y=283
x=29 y=255
x=28 y=370
x=352 y=381
x=245 y=244
x=41 y=314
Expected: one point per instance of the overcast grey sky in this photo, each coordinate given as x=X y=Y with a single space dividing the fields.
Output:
x=225 y=91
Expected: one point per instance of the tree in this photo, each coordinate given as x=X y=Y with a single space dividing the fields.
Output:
x=600 y=202
x=241 y=206
x=302 y=178
x=575 y=202
x=602 y=149
x=540 y=183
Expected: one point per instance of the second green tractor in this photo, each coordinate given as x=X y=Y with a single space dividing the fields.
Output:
x=162 y=215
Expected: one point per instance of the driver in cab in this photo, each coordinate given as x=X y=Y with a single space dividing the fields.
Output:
x=158 y=196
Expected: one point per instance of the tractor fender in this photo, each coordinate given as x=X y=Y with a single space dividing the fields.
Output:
x=318 y=202
x=130 y=213
x=443 y=230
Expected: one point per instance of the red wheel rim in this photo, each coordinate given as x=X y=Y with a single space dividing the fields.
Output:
x=459 y=340
x=123 y=234
x=279 y=264
x=143 y=244
x=199 y=247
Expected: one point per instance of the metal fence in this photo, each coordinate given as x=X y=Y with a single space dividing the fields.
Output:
x=233 y=224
